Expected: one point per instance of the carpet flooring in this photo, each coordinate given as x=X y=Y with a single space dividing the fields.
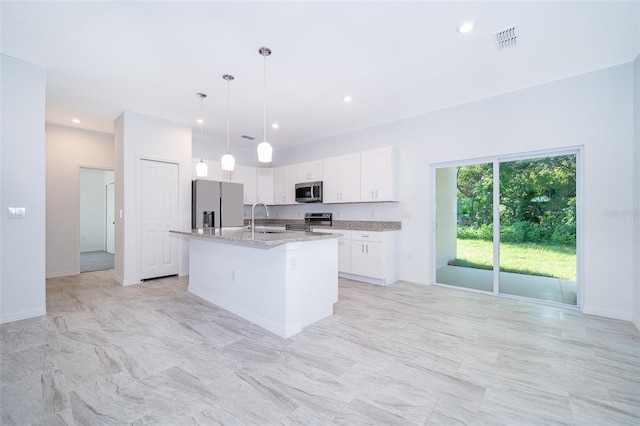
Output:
x=96 y=261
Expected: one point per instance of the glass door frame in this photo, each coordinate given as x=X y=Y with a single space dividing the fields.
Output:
x=496 y=160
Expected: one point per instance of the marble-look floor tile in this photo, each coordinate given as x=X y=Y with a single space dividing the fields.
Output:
x=34 y=397
x=154 y=354
x=116 y=399
x=516 y=405
x=19 y=335
x=596 y=411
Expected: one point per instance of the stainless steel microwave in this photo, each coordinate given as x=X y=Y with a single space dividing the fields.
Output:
x=309 y=192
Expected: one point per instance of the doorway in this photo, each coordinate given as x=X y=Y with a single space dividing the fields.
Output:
x=96 y=219
x=509 y=226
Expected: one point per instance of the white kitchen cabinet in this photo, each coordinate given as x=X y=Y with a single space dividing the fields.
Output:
x=344 y=247
x=378 y=175
x=373 y=257
x=265 y=185
x=341 y=179
x=310 y=171
x=284 y=181
x=247 y=176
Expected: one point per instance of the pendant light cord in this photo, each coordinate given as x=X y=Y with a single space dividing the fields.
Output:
x=201 y=131
x=228 y=109
x=264 y=99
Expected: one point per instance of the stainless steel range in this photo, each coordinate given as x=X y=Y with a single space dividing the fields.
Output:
x=312 y=219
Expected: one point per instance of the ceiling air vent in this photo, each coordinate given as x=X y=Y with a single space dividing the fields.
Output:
x=247 y=137
x=507 y=38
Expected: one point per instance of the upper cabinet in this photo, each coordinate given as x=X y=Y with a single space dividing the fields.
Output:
x=247 y=176
x=265 y=185
x=378 y=180
x=341 y=182
x=310 y=171
x=361 y=177
x=284 y=181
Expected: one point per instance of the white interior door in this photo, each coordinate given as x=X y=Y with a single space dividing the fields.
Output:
x=159 y=204
x=110 y=218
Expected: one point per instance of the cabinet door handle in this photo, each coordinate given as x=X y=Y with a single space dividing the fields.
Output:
x=376 y=193
x=362 y=248
x=367 y=248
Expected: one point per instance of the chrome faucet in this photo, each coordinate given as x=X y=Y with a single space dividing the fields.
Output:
x=253 y=218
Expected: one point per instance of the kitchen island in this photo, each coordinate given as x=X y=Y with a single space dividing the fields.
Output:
x=281 y=281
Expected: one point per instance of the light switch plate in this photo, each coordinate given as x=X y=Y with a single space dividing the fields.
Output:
x=17 y=212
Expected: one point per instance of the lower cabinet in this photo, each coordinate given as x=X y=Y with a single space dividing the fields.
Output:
x=368 y=256
x=344 y=253
x=366 y=259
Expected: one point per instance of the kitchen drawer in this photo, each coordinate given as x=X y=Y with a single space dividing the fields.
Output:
x=372 y=236
x=346 y=235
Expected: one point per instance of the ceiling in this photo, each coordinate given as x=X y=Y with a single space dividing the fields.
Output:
x=396 y=59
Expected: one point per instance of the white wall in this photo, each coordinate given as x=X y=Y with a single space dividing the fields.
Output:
x=69 y=149
x=446 y=215
x=636 y=210
x=22 y=179
x=93 y=216
x=594 y=110
x=142 y=137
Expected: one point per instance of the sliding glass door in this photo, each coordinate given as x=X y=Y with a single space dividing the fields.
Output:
x=509 y=226
x=538 y=228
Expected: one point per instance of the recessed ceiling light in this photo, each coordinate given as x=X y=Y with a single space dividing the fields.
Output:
x=346 y=99
x=200 y=121
x=76 y=121
x=275 y=125
x=466 y=27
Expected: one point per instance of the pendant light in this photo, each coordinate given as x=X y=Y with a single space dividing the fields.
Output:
x=264 y=148
x=228 y=162
x=201 y=167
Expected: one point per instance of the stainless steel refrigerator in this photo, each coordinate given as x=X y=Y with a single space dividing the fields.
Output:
x=216 y=204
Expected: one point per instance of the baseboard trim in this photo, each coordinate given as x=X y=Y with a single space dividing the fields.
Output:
x=26 y=314
x=607 y=313
x=59 y=274
x=636 y=322
x=361 y=278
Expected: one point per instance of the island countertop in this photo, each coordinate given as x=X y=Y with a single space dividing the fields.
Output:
x=262 y=238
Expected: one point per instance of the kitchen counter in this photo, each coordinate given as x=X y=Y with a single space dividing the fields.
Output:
x=363 y=225
x=264 y=238
x=280 y=281
x=352 y=225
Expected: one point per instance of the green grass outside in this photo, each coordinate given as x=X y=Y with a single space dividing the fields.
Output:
x=546 y=260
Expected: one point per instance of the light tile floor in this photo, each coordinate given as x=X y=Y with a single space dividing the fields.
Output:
x=532 y=286
x=403 y=354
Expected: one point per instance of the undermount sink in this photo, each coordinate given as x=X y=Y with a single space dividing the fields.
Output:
x=265 y=229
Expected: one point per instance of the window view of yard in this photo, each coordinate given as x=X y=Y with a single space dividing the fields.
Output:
x=545 y=260
x=537 y=217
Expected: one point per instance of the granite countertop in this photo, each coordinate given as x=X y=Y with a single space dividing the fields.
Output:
x=363 y=225
x=350 y=225
x=263 y=239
